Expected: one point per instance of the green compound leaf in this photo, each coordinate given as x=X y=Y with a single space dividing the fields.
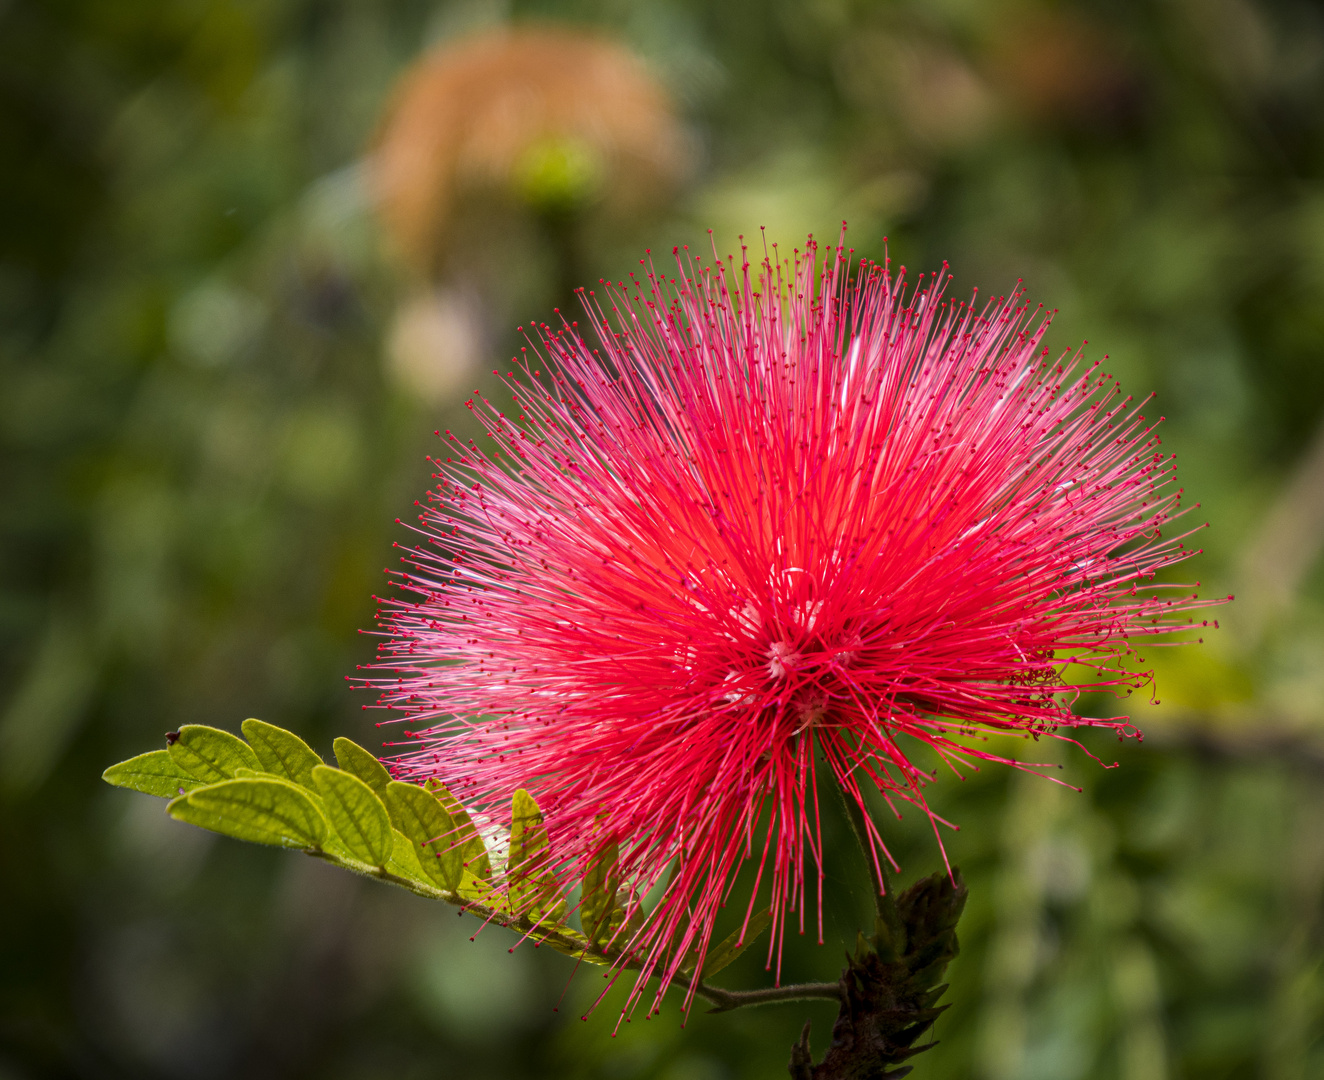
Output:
x=474 y=888
x=262 y=811
x=599 y=895
x=473 y=852
x=153 y=773
x=419 y=815
x=210 y=754
x=730 y=947
x=421 y=838
x=355 y=760
x=533 y=887
x=282 y=752
x=405 y=862
x=357 y=815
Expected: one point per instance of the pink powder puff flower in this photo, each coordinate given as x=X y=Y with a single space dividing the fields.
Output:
x=762 y=525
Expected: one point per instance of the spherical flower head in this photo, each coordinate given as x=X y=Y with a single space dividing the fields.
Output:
x=755 y=529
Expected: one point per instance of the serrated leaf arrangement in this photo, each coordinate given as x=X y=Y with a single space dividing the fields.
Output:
x=270 y=787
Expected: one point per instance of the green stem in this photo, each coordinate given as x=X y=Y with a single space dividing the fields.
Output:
x=726 y=1000
x=570 y=942
x=883 y=906
x=559 y=937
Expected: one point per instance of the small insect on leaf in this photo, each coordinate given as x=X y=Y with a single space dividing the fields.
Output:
x=210 y=754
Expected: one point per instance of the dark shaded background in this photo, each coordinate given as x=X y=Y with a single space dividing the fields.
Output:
x=217 y=386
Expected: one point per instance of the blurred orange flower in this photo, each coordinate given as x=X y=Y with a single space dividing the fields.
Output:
x=556 y=119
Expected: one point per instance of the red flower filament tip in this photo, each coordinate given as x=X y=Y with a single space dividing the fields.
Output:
x=764 y=524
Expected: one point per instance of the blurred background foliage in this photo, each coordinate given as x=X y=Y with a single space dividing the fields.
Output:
x=253 y=253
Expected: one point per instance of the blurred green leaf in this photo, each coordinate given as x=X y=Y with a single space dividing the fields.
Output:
x=211 y=754
x=356 y=814
x=533 y=886
x=422 y=819
x=258 y=810
x=629 y=913
x=599 y=895
x=281 y=752
x=730 y=947
x=473 y=851
x=48 y=705
x=355 y=760
x=572 y=943
x=153 y=773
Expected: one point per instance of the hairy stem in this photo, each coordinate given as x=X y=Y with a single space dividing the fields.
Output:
x=572 y=943
x=726 y=1000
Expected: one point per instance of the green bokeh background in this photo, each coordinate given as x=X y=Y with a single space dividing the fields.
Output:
x=205 y=448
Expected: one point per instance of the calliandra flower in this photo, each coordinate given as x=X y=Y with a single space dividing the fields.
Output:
x=755 y=529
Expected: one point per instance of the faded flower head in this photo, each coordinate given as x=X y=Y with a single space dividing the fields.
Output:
x=757 y=530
